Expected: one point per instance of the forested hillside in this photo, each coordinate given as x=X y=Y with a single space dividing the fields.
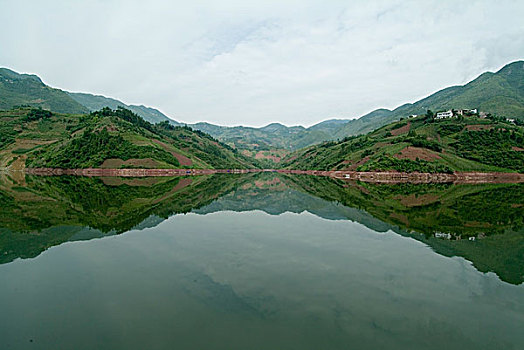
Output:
x=422 y=144
x=108 y=139
x=97 y=102
x=499 y=94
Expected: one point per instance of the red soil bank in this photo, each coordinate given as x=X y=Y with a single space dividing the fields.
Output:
x=376 y=177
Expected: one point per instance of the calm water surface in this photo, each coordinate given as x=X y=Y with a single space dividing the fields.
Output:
x=259 y=262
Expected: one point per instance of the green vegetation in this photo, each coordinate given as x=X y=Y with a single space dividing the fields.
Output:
x=95 y=103
x=494 y=147
x=491 y=213
x=54 y=140
x=422 y=144
x=404 y=165
x=28 y=90
x=93 y=148
x=59 y=207
x=37 y=114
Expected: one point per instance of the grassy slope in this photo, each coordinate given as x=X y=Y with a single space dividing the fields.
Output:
x=500 y=93
x=447 y=145
x=67 y=141
x=24 y=89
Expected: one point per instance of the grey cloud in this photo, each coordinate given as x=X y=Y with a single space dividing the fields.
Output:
x=251 y=63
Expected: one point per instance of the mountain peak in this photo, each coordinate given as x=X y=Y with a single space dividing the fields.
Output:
x=10 y=74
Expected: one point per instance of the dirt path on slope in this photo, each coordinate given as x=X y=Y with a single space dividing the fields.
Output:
x=183 y=160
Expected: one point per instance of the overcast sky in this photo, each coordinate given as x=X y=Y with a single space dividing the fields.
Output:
x=255 y=62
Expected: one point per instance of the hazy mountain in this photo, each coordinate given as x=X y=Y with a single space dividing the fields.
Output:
x=26 y=89
x=272 y=136
x=29 y=90
x=500 y=93
x=97 y=102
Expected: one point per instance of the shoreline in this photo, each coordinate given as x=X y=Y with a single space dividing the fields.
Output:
x=375 y=177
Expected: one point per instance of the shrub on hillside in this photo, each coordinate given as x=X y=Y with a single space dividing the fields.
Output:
x=404 y=165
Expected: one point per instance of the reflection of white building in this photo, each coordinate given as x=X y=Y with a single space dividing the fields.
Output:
x=442 y=235
x=446 y=114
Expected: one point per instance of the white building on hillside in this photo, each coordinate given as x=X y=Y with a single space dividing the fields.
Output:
x=446 y=114
x=466 y=111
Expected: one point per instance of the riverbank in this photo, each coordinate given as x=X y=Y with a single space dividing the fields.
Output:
x=376 y=177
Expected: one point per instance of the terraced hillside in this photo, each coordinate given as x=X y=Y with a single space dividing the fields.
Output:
x=422 y=144
x=107 y=138
x=500 y=93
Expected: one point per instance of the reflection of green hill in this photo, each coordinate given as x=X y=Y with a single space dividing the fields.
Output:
x=50 y=210
x=47 y=211
x=502 y=253
x=461 y=210
x=272 y=193
x=493 y=213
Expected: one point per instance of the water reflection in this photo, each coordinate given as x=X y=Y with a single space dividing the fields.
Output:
x=482 y=223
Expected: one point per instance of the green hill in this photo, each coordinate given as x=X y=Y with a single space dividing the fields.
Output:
x=422 y=144
x=270 y=137
x=25 y=89
x=97 y=102
x=500 y=93
x=109 y=139
x=28 y=90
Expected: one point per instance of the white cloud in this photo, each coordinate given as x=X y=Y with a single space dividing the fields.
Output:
x=233 y=63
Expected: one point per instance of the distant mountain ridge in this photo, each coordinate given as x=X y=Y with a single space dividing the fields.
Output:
x=97 y=102
x=27 y=89
x=500 y=93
